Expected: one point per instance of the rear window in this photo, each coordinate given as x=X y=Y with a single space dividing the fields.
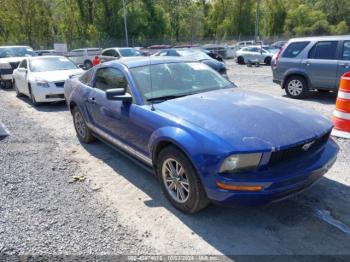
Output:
x=346 y=51
x=294 y=49
x=324 y=50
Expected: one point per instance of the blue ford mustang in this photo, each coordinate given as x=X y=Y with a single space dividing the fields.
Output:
x=206 y=140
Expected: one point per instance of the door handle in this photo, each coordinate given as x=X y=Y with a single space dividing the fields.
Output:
x=346 y=65
x=307 y=63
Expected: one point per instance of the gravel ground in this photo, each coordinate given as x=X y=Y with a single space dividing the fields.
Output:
x=118 y=208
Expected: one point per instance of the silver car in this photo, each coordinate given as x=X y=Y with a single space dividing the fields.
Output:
x=313 y=63
x=253 y=54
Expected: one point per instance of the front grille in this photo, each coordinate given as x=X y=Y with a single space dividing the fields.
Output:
x=59 y=84
x=14 y=65
x=298 y=151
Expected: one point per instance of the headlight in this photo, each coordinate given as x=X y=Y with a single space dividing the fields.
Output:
x=241 y=163
x=41 y=83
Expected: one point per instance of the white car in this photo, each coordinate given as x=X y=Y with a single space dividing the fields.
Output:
x=84 y=56
x=114 y=53
x=10 y=57
x=255 y=54
x=42 y=78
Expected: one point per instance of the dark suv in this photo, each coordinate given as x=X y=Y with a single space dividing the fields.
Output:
x=313 y=63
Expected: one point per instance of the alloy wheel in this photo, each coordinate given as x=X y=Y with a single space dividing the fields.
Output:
x=295 y=87
x=80 y=124
x=175 y=180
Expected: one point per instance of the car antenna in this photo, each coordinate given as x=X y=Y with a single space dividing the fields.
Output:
x=150 y=79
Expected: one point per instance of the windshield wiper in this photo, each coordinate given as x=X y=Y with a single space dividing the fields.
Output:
x=168 y=97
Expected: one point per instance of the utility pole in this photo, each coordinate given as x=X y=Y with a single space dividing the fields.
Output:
x=257 y=20
x=125 y=24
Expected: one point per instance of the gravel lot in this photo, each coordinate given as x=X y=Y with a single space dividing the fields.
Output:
x=118 y=208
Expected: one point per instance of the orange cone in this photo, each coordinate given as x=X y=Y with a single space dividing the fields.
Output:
x=341 y=116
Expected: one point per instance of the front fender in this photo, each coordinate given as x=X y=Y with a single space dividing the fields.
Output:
x=201 y=149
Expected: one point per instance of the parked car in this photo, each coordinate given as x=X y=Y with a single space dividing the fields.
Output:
x=278 y=44
x=42 y=78
x=45 y=52
x=119 y=52
x=313 y=63
x=197 y=55
x=206 y=140
x=10 y=57
x=84 y=56
x=222 y=50
x=255 y=54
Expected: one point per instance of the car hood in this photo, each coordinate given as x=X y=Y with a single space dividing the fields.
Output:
x=247 y=121
x=59 y=75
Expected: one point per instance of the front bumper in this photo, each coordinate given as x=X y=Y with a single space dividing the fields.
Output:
x=48 y=94
x=282 y=182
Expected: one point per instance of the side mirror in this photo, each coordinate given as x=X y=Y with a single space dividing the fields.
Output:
x=118 y=94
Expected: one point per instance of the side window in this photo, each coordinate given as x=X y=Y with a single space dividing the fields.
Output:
x=346 y=51
x=87 y=77
x=23 y=64
x=255 y=50
x=163 y=53
x=294 y=49
x=110 y=78
x=324 y=50
x=172 y=53
x=110 y=52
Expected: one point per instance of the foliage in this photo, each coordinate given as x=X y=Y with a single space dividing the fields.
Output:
x=40 y=23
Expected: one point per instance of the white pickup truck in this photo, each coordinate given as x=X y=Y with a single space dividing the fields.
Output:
x=84 y=56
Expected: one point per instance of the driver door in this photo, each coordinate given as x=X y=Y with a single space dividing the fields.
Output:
x=115 y=119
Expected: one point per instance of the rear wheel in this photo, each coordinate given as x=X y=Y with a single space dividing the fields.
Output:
x=83 y=132
x=267 y=61
x=296 y=87
x=88 y=64
x=240 y=60
x=179 y=181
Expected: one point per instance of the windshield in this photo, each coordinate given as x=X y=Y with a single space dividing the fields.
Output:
x=51 y=64
x=176 y=79
x=130 y=52
x=16 y=52
x=194 y=54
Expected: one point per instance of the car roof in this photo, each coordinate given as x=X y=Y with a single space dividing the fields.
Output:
x=132 y=62
x=13 y=46
x=320 y=38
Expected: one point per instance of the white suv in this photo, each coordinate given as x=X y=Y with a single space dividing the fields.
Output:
x=84 y=56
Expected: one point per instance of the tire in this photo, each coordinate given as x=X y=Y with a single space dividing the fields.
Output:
x=18 y=94
x=267 y=60
x=193 y=195
x=84 y=134
x=88 y=64
x=32 y=98
x=296 y=87
x=240 y=60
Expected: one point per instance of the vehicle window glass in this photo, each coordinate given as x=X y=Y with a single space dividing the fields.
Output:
x=45 y=64
x=16 y=52
x=127 y=52
x=294 y=49
x=110 y=78
x=324 y=50
x=346 y=51
x=163 y=53
x=255 y=50
x=23 y=64
x=87 y=77
x=110 y=52
x=181 y=79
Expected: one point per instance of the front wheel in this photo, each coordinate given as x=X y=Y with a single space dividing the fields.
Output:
x=179 y=181
x=83 y=132
x=296 y=87
x=240 y=60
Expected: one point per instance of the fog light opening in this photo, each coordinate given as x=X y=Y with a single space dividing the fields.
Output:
x=239 y=188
